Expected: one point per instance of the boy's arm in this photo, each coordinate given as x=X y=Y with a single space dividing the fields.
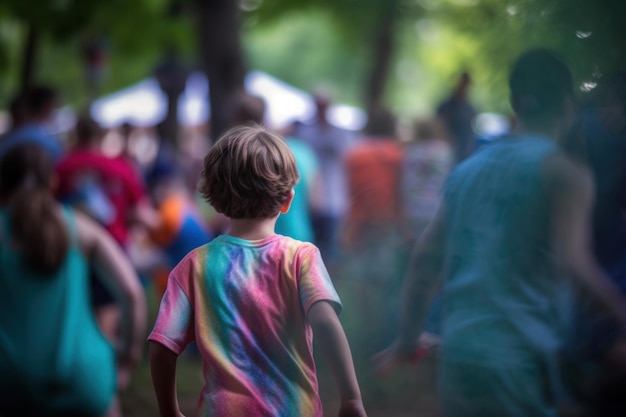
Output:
x=163 y=370
x=331 y=339
x=571 y=191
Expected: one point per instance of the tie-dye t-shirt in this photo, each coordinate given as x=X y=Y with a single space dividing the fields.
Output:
x=245 y=304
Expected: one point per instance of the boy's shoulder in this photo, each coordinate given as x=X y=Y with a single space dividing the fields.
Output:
x=276 y=242
x=196 y=261
x=191 y=263
x=296 y=246
x=279 y=246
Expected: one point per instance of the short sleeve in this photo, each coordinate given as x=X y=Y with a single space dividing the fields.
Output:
x=314 y=283
x=174 y=326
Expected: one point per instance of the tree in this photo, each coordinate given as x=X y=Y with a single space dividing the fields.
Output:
x=131 y=27
x=588 y=34
x=221 y=57
x=370 y=24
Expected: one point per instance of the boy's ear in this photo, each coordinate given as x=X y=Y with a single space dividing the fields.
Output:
x=285 y=208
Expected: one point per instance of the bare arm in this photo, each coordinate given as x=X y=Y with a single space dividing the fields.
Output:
x=571 y=190
x=118 y=274
x=422 y=277
x=163 y=369
x=332 y=340
x=145 y=215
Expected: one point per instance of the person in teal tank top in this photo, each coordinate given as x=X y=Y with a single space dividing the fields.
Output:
x=296 y=223
x=510 y=241
x=53 y=359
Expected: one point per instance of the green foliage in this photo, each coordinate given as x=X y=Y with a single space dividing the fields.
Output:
x=135 y=34
x=308 y=42
x=588 y=34
x=306 y=50
x=437 y=39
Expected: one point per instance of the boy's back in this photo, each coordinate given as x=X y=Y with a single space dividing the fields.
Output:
x=252 y=299
x=244 y=303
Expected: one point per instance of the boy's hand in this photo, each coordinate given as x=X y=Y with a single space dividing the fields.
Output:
x=352 y=408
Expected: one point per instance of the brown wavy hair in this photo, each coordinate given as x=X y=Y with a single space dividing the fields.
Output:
x=249 y=173
x=37 y=228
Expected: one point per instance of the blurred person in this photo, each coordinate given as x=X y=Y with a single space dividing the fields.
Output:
x=373 y=174
x=428 y=160
x=35 y=115
x=374 y=249
x=110 y=191
x=17 y=109
x=330 y=144
x=53 y=359
x=128 y=131
x=248 y=108
x=427 y=163
x=599 y=140
x=512 y=238
x=297 y=222
x=178 y=228
x=252 y=299
x=457 y=113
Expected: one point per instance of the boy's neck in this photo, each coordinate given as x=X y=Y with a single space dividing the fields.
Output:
x=252 y=229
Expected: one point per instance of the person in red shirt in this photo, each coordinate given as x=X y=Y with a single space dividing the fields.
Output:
x=108 y=190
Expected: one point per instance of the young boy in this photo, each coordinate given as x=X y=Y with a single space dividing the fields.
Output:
x=252 y=299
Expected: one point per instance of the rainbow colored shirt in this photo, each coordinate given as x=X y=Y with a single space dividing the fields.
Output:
x=245 y=304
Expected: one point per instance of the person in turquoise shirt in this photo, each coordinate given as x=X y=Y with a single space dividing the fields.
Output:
x=296 y=223
x=53 y=359
x=509 y=242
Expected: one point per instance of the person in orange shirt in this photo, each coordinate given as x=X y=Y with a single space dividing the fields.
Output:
x=375 y=251
x=373 y=167
x=179 y=227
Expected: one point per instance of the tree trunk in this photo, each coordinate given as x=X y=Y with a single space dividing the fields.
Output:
x=221 y=58
x=171 y=75
x=382 y=51
x=28 y=59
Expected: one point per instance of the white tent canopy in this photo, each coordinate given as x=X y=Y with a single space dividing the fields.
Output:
x=144 y=104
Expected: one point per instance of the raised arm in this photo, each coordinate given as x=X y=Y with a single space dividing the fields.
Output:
x=422 y=276
x=571 y=190
x=118 y=274
x=331 y=339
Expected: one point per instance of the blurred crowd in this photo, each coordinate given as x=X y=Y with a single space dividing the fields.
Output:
x=364 y=198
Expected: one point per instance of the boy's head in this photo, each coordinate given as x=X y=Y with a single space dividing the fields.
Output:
x=249 y=173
